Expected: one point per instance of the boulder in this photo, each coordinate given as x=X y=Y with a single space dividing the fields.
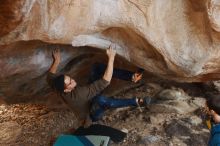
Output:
x=172 y=39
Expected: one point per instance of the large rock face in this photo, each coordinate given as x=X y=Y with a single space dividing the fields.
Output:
x=170 y=38
x=174 y=39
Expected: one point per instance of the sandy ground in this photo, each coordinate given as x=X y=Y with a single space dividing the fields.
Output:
x=174 y=119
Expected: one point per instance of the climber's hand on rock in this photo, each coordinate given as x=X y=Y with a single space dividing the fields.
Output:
x=111 y=52
x=56 y=55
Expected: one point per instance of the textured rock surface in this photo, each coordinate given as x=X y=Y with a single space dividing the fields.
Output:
x=24 y=66
x=173 y=39
x=35 y=125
